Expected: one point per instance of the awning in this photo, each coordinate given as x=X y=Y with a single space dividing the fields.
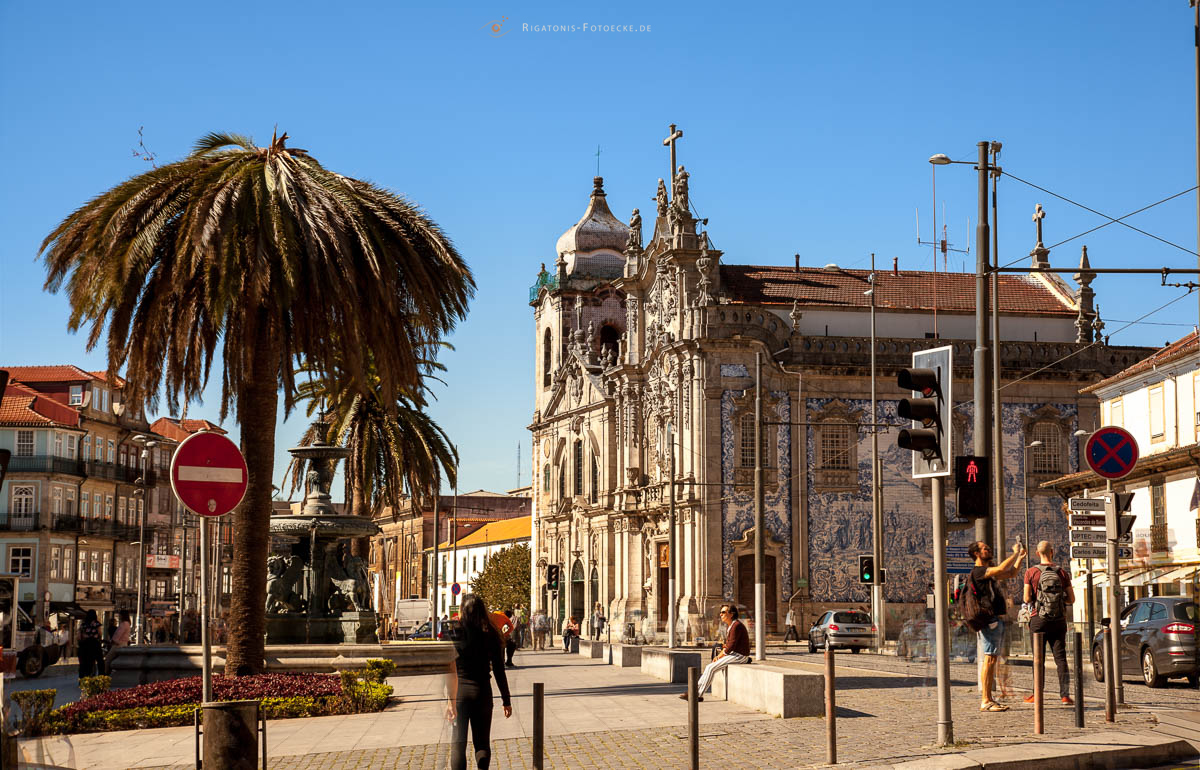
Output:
x=1145 y=578
x=68 y=608
x=1180 y=575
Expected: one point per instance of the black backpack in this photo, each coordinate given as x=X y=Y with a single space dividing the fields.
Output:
x=1050 y=599
x=980 y=603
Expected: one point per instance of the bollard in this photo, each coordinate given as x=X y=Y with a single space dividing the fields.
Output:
x=694 y=716
x=539 y=724
x=230 y=730
x=1039 y=683
x=1110 y=692
x=1078 y=679
x=830 y=710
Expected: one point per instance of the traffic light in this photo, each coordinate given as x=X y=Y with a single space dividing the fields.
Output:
x=929 y=437
x=972 y=486
x=866 y=569
x=552 y=577
x=1122 y=501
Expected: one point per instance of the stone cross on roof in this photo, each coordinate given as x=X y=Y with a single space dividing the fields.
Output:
x=1038 y=215
x=670 y=142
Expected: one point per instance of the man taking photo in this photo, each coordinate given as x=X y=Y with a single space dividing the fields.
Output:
x=986 y=609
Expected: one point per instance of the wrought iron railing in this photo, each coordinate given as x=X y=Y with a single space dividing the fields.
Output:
x=18 y=522
x=46 y=464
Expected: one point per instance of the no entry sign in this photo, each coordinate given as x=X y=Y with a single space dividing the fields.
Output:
x=208 y=474
x=1111 y=452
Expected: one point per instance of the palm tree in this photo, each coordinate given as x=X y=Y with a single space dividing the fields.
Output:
x=263 y=251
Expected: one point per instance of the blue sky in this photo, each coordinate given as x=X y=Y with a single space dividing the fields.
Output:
x=807 y=129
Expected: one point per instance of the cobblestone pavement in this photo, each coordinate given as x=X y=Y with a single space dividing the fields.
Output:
x=881 y=719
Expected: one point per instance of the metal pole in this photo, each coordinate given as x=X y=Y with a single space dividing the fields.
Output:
x=1091 y=604
x=672 y=562
x=434 y=598
x=1025 y=491
x=945 y=721
x=454 y=534
x=877 y=597
x=1039 y=683
x=1078 y=679
x=205 y=641
x=182 y=583
x=760 y=592
x=997 y=404
x=1110 y=690
x=539 y=724
x=1114 y=590
x=693 y=717
x=983 y=391
x=141 y=598
x=830 y=709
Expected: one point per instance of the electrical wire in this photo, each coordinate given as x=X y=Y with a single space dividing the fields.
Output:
x=1118 y=219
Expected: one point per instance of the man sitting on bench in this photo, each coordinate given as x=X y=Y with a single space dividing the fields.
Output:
x=735 y=650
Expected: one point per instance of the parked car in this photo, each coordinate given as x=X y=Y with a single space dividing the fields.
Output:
x=848 y=629
x=422 y=632
x=1158 y=637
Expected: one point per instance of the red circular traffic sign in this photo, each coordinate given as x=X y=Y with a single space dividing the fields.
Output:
x=1111 y=452
x=208 y=474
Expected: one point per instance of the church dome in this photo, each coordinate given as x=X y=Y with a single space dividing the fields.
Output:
x=594 y=245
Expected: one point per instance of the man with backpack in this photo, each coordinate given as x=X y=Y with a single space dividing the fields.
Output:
x=984 y=610
x=1048 y=591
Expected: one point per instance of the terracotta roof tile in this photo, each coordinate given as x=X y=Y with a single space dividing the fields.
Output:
x=103 y=377
x=62 y=373
x=1177 y=349
x=501 y=531
x=178 y=430
x=23 y=406
x=906 y=290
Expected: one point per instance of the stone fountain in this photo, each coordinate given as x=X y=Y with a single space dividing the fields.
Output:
x=317 y=592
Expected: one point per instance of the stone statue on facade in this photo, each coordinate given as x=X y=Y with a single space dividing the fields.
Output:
x=679 y=196
x=635 y=232
x=661 y=198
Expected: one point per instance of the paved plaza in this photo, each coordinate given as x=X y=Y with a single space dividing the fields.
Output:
x=602 y=716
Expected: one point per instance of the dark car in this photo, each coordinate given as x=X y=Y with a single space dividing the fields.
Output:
x=848 y=629
x=1158 y=637
x=444 y=628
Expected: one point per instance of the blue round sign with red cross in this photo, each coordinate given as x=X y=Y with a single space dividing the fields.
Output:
x=1111 y=452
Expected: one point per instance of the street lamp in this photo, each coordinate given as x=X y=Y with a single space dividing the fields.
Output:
x=147 y=445
x=1025 y=484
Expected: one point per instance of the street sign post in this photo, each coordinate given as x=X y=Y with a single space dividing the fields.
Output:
x=1086 y=504
x=455 y=589
x=1125 y=522
x=1097 y=536
x=1098 y=552
x=958 y=561
x=1111 y=452
x=209 y=476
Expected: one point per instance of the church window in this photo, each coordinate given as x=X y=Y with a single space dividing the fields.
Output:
x=835 y=446
x=609 y=338
x=746 y=426
x=1047 y=457
x=578 y=468
x=595 y=478
x=562 y=481
x=546 y=478
x=547 y=358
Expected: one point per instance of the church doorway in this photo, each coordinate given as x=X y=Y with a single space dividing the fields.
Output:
x=745 y=587
x=577 y=592
x=664 y=585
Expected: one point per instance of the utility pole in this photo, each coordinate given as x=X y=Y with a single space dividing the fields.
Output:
x=997 y=404
x=877 y=597
x=760 y=589
x=1111 y=516
x=434 y=574
x=941 y=625
x=454 y=536
x=983 y=392
x=672 y=541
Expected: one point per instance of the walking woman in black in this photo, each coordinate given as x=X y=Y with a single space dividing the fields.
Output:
x=91 y=656
x=480 y=654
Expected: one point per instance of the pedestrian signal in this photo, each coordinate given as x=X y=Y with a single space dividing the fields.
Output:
x=973 y=490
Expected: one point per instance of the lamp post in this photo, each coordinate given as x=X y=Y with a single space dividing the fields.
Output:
x=1025 y=484
x=877 y=597
x=983 y=388
x=147 y=445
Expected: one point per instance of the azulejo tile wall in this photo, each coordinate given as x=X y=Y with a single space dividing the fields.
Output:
x=839 y=522
x=737 y=502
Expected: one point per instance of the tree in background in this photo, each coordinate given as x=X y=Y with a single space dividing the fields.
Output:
x=269 y=256
x=504 y=581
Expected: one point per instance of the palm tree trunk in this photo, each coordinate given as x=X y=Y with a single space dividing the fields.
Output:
x=359 y=546
x=258 y=400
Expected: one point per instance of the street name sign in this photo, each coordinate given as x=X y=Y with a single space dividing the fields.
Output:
x=958 y=561
x=1088 y=520
x=208 y=474
x=1099 y=552
x=1111 y=452
x=1086 y=504
x=1096 y=536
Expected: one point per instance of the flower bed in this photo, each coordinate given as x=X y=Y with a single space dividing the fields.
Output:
x=172 y=703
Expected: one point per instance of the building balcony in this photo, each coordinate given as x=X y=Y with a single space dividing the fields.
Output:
x=96 y=527
x=47 y=464
x=19 y=522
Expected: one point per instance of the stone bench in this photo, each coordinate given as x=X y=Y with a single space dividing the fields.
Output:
x=574 y=644
x=779 y=690
x=627 y=655
x=591 y=648
x=670 y=665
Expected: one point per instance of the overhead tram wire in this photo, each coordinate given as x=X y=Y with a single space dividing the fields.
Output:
x=1118 y=219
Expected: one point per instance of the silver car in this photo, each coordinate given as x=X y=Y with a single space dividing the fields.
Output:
x=1158 y=638
x=848 y=629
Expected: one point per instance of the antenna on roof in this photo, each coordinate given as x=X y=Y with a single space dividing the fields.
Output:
x=942 y=245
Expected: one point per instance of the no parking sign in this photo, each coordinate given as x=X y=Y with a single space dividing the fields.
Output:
x=1111 y=452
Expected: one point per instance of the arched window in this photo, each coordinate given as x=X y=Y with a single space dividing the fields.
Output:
x=578 y=486
x=1046 y=458
x=546 y=478
x=835 y=446
x=562 y=481
x=547 y=357
x=595 y=478
x=609 y=338
x=747 y=442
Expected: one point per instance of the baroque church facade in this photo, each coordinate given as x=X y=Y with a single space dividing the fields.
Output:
x=644 y=347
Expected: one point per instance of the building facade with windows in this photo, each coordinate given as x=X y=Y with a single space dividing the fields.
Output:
x=1158 y=401
x=461 y=562
x=645 y=361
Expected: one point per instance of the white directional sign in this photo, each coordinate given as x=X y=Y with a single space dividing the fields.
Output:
x=1095 y=536
x=1086 y=504
x=1099 y=552
x=1088 y=520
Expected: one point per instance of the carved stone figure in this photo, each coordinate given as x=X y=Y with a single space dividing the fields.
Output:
x=351 y=580
x=661 y=198
x=282 y=574
x=679 y=196
x=635 y=231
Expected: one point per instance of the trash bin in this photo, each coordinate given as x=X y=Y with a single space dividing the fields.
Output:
x=231 y=735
